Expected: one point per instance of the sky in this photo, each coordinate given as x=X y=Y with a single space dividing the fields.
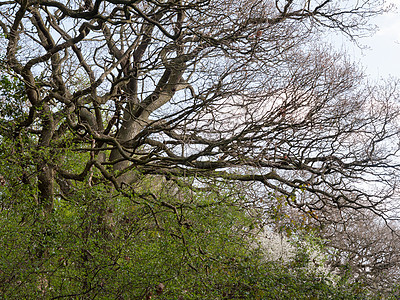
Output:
x=381 y=58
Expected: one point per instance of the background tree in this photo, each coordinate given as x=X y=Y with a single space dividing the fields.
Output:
x=366 y=246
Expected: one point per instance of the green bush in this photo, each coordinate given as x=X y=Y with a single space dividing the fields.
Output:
x=100 y=245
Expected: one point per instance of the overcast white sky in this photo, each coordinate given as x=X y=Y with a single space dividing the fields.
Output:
x=383 y=57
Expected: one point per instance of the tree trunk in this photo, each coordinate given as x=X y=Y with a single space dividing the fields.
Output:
x=46 y=188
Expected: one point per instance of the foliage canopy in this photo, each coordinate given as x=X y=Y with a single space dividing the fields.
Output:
x=142 y=141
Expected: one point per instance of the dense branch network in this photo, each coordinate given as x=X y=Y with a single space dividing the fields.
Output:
x=227 y=90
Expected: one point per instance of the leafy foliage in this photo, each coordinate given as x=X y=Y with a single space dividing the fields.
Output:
x=199 y=252
x=164 y=241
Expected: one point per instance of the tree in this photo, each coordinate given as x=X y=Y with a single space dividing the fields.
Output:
x=366 y=246
x=197 y=88
x=199 y=93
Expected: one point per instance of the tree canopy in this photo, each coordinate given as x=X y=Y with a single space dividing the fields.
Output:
x=116 y=111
